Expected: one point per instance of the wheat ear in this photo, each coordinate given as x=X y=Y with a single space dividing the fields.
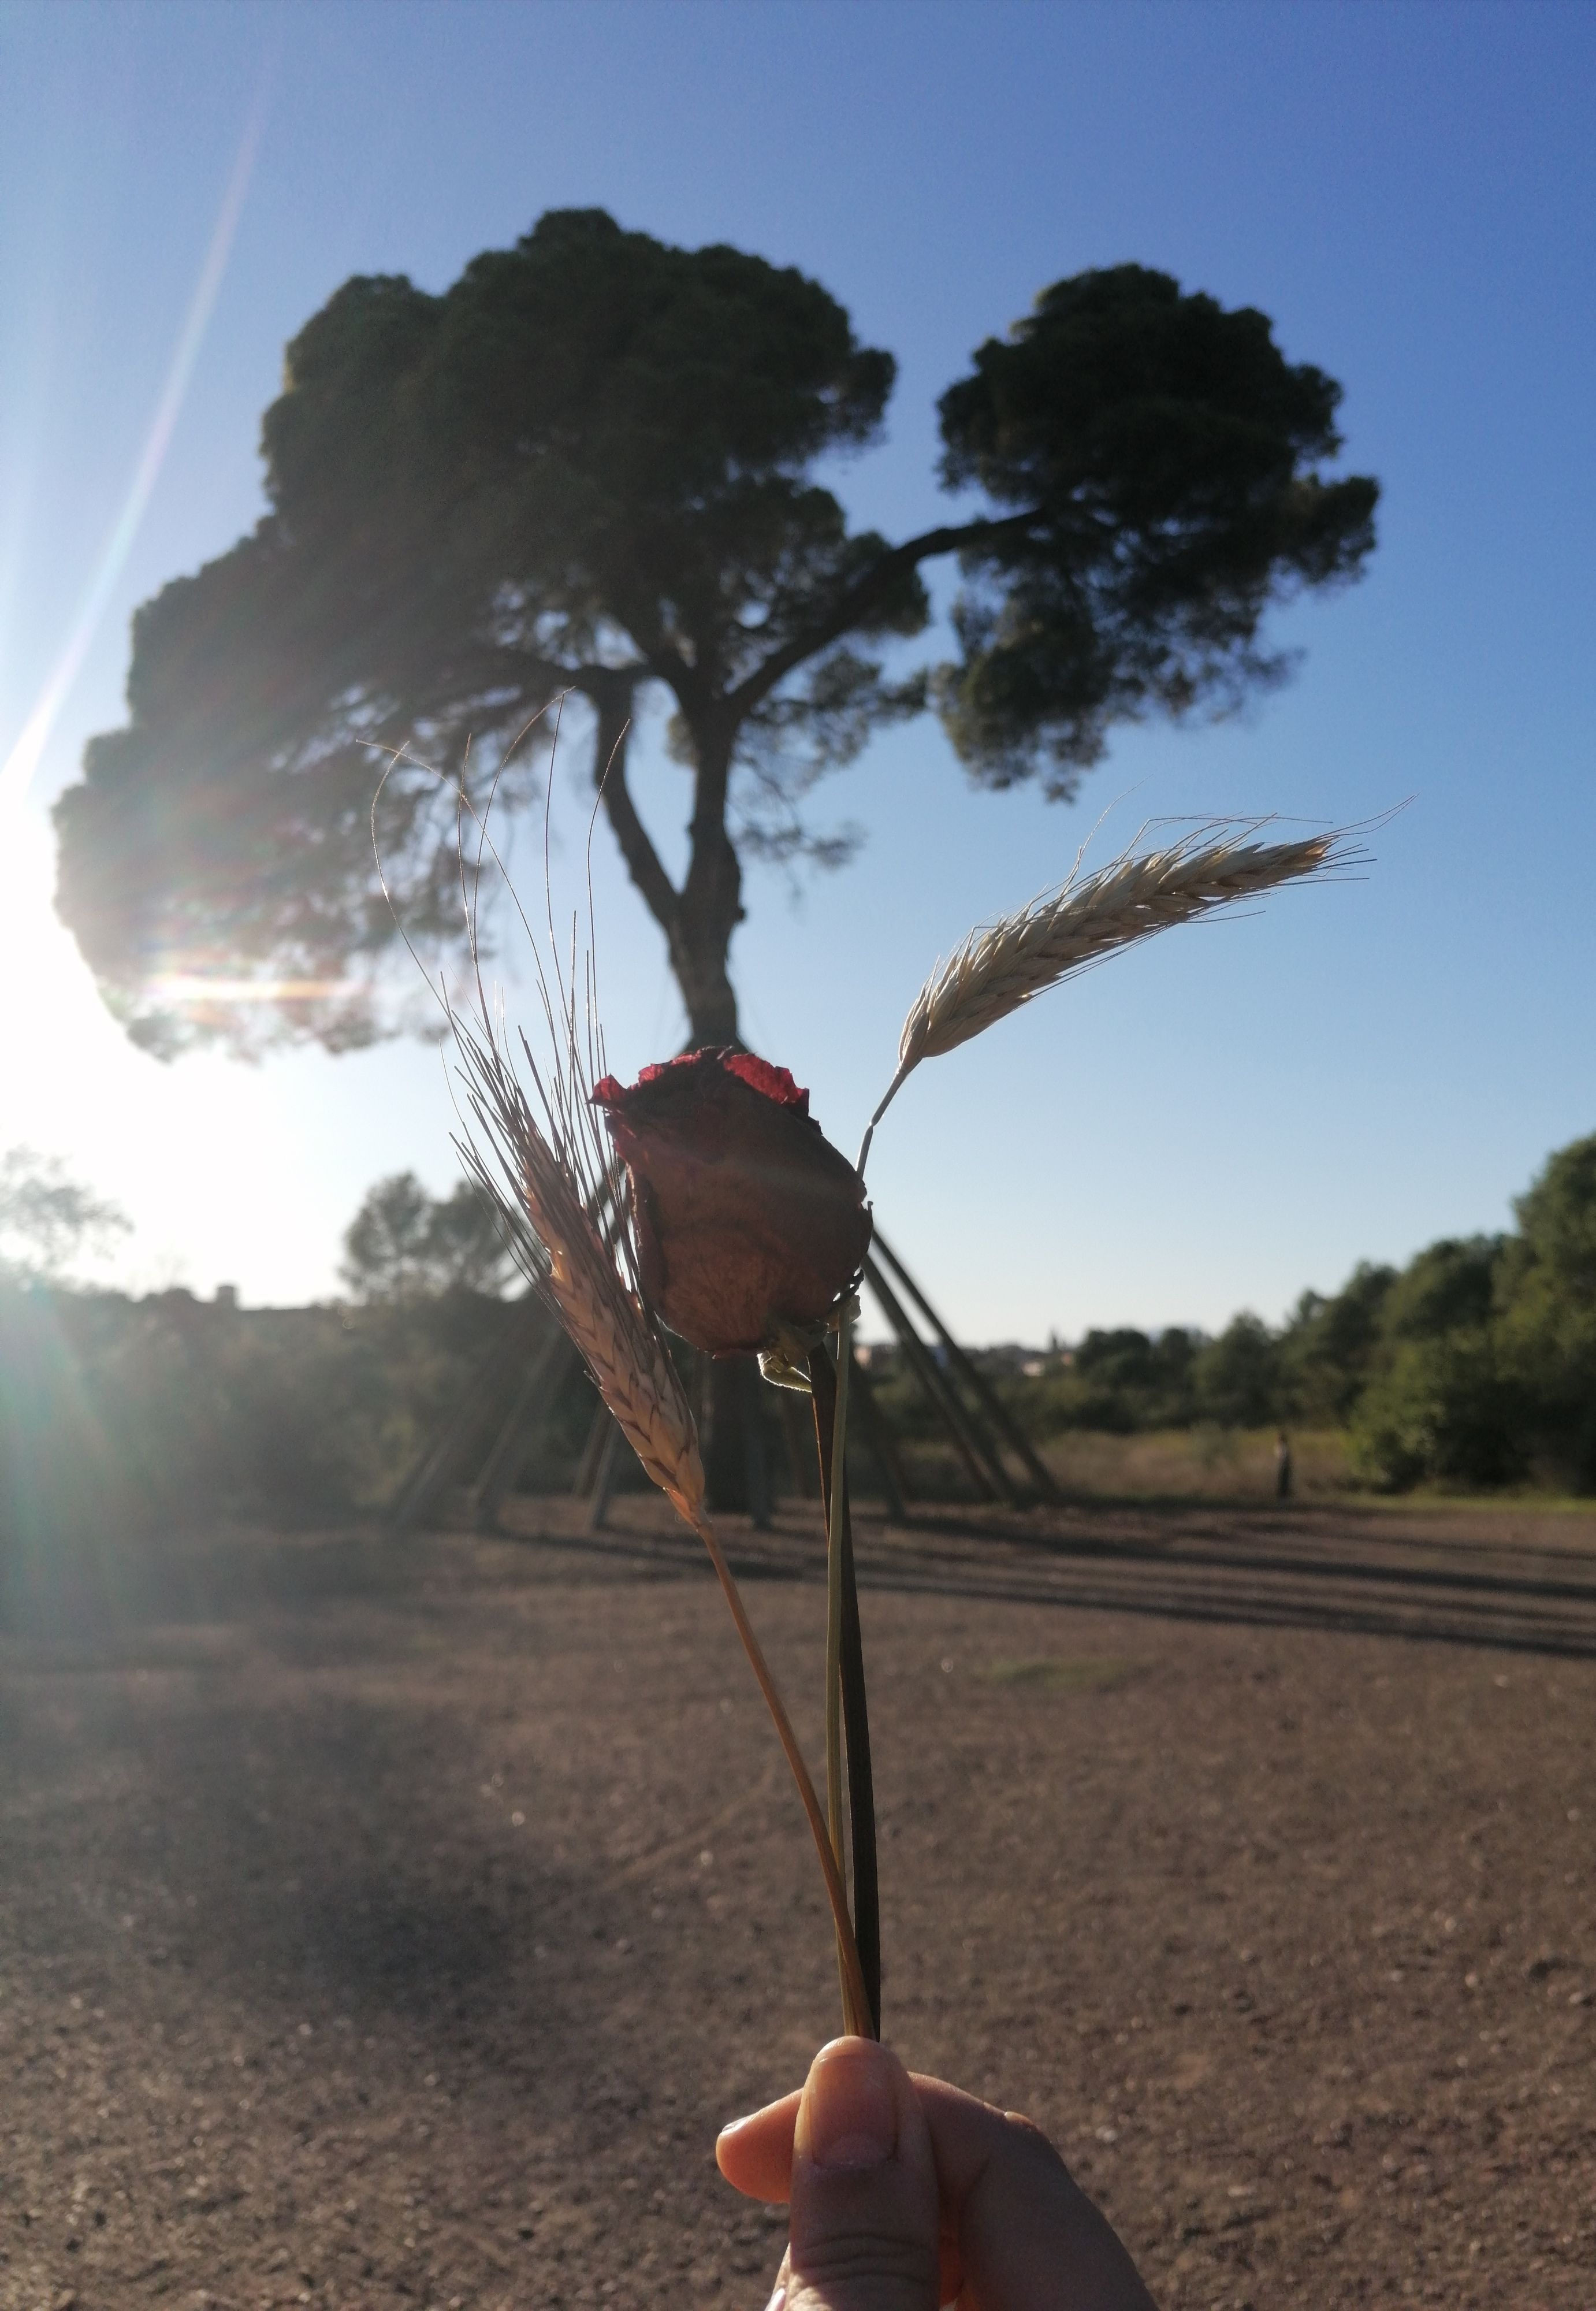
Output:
x=1002 y=965
x=547 y=1195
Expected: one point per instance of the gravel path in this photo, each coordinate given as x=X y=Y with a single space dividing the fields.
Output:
x=393 y=1923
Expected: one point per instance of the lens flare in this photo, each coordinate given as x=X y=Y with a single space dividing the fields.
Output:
x=23 y=761
x=195 y=987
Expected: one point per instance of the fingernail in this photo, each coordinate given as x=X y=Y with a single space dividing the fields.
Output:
x=851 y=2108
x=778 y=2297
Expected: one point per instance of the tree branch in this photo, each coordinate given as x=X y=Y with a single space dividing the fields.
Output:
x=610 y=692
x=855 y=601
x=493 y=666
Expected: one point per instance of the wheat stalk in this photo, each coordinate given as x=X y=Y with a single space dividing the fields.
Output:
x=1002 y=965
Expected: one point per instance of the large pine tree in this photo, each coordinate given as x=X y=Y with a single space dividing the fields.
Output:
x=589 y=466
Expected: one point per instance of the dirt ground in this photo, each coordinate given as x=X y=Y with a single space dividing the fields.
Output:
x=394 y=1922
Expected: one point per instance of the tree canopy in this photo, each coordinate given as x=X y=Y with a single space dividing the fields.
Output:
x=403 y=1244
x=49 y=1220
x=591 y=466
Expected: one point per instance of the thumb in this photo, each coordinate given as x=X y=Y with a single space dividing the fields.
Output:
x=864 y=2211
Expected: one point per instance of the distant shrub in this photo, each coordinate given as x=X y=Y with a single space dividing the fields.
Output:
x=1440 y=1412
x=404 y=1245
x=48 y=1220
x=1547 y=1321
x=118 y=1415
x=1238 y=1377
x=1329 y=1345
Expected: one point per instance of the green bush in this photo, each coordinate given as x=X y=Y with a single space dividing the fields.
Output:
x=116 y=1415
x=1238 y=1378
x=1440 y=1412
x=1329 y=1346
x=1547 y=1327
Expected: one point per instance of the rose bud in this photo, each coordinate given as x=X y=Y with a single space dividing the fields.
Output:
x=747 y=1216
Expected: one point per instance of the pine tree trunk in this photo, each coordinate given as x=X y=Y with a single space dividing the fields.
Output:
x=710 y=905
x=736 y=1461
x=698 y=922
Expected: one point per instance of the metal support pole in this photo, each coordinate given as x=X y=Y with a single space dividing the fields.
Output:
x=604 y=1482
x=435 y=1467
x=586 y=1467
x=997 y=1411
x=797 y=1429
x=990 y=1478
x=512 y=1447
x=879 y=1437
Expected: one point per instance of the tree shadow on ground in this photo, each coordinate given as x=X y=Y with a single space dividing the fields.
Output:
x=1340 y=1575
x=294 y=1856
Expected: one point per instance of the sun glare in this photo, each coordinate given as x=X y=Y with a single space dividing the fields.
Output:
x=198 y=1153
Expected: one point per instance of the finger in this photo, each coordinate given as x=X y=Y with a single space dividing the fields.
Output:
x=1010 y=2208
x=865 y=2214
x=755 y=2153
x=1026 y=2231
x=950 y=2268
x=756 y=2157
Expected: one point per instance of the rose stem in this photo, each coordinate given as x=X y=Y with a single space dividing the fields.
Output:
x=833 y=1675
x=861 y=1801
x=854 y=1997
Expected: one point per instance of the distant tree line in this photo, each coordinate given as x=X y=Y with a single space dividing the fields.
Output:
x=1473 y=1365
x=123 y=1415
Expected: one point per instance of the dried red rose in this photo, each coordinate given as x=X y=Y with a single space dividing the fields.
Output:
x=747 y=1216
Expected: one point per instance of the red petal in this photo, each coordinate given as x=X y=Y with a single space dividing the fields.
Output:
x=760 y=1076
x=772 y=1082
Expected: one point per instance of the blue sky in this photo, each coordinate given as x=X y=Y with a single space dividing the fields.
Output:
x=1210 y=1124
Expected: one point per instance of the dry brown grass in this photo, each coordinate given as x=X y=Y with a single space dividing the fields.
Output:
x=1176 y=1464
x=1197 y=1463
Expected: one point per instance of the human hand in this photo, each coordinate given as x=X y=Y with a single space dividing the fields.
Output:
x=906 y=2195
